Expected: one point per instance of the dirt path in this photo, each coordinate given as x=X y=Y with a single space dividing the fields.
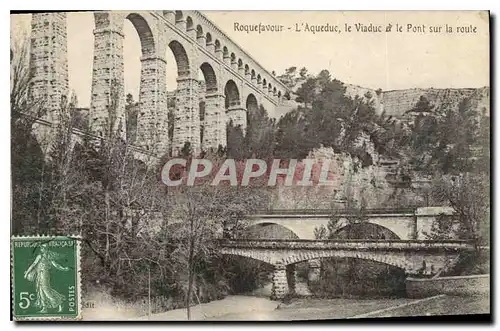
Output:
x=235 y=305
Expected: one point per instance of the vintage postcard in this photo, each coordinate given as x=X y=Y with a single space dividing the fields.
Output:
x=250 y=165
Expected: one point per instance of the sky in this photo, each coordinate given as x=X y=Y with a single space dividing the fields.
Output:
x=395 y=60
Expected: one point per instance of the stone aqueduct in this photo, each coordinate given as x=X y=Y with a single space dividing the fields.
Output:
x=235 y=82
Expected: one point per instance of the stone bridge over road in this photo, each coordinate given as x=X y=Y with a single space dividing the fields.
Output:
x=234 y=82
x=404 y=224
x=413 y=256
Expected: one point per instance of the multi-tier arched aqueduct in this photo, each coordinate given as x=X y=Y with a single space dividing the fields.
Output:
x=235 y=82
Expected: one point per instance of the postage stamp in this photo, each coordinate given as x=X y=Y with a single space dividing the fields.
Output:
x=45 y=278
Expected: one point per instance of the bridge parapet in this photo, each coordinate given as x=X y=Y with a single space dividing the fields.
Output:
x=361 y=244
x=400 y=223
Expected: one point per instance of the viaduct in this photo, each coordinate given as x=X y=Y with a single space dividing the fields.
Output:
x=235 y=82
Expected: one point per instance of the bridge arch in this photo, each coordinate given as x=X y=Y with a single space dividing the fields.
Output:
x=179 y=16
x=144 y=31
x=141 y=23
x=381 y=257
x=181 y=58
x=200 y=36
x=269 y=231
x=365 y=230
x=225 y=55
x=189 y=24
x=208 y=39
x=251 y=103
x=261 y=257
x=252 y=107
x=210 y=77
x=233 y=59
x=232 y=94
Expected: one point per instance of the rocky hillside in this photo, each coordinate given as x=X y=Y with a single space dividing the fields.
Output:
x=397 y=102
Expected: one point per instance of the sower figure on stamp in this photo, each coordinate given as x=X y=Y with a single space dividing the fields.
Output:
x=39 y=272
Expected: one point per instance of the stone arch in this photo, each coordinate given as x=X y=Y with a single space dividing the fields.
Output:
x=264 y=83
x=232 y=94
x=225 y=53
x=199 y=31
x=251 y=103
x=208 y=39
x=189 y=24
x=240 y=64
x=269 y=230
x=365 y=230
x=269 y=87
x=217 y=45
x=179 y=16
x=259 y=256
x=210 y=77
x=233 y=59
x=259 y=79
x=274 y=90
x=251 y=257
x=380 y=257
x=181 y=58
x=252 y=74
x=144 y=31
x=247 y=69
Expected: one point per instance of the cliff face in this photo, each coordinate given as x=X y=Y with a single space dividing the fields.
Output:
x=396 y=103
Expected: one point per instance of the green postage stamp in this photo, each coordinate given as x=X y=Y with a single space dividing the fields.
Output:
x=45 y=278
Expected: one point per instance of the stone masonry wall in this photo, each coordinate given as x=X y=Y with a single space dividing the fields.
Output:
x=458 y=285
x=152 y=127
x=215 y=122
x=107 y=74
x=48 y=61
x=187 y=116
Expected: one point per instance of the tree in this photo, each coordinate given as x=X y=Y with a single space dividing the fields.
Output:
x=132 y=112
x=259 y=138
x=288 y=78
x=306 y=92
x=204 y=212
x=468 y=195
x=26 y=153
x=422 y=105
x=324 y=78
x=303 y=73
x=235 y=138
